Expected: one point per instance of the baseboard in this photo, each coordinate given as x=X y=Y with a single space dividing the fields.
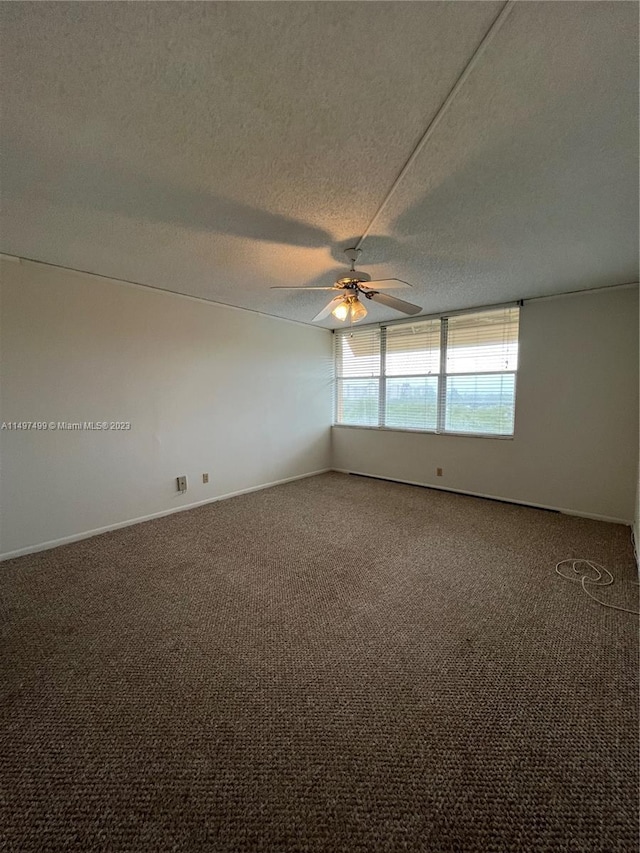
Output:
x=563 y=510
x=76 y=537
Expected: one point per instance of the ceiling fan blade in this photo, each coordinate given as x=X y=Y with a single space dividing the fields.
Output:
x=387 y=284
x=328 y=308
x=279 y=287
x=396 y=304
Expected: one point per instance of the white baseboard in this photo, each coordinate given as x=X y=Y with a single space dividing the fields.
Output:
x=76 y=537
x=563 y=510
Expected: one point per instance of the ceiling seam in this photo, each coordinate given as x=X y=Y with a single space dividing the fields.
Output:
x=127 y=282
x=496 y=24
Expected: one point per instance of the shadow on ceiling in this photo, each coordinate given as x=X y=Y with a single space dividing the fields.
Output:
x=141 y=197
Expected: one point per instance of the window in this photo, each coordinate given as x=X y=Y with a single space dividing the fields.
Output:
x=450 y=374
x=358 y=377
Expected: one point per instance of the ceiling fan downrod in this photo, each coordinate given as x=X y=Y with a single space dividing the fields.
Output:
x=352 y=256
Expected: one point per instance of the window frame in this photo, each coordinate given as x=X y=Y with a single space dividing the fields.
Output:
x=358 y=377
x=441 y=377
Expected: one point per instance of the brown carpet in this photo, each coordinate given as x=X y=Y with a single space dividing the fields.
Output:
x=336 y=664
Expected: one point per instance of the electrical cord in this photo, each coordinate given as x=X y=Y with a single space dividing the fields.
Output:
x=603 y=577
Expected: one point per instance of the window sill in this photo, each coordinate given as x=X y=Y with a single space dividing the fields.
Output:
x=426 y=432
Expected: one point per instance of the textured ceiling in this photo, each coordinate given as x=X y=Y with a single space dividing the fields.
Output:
x=218 y=149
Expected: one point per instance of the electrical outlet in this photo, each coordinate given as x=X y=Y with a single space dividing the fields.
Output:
x=181 y=483
x=438 y=472
x=205 y=478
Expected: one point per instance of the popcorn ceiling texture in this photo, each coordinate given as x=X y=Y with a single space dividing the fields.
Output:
x=338 y=664
x=216 y=149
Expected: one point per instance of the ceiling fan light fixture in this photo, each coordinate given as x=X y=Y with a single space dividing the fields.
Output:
x=358 y=311
x=350 y=307
x=350 y=286
x=341 y=311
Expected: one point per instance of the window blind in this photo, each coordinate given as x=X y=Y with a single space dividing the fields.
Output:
x=358 y=369
x=483 y=342
x=412 y=364
x=358 y=353
x=413 y=349
x=450 y=374
x=481 y=360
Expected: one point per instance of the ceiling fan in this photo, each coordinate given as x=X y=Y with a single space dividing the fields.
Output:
x=354 y=283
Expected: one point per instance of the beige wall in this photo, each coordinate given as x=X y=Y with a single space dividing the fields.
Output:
x=246 y=398
x=576 y=434
x=636 y=522
x=206 y=388
x=636 y=515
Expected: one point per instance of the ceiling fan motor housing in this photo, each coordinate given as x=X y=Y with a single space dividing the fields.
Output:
x=354 y=278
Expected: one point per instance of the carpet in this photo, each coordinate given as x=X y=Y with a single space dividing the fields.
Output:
x=334 y=664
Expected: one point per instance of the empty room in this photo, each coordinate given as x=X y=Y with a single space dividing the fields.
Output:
x=319 y=505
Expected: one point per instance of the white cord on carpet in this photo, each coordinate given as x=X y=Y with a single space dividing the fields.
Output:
x=603 y=577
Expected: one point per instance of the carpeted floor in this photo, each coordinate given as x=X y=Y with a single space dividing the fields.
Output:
x=336 y=664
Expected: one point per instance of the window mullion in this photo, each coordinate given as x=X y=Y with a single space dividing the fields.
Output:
x=442 y=377
x=382 y=385
x=336 y=389
x=483 y=396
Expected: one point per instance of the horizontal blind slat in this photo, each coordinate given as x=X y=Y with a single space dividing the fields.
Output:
x=358 y=353
x=479 y=374
x=358 y=401
x=484 y=341
x=412 y=403
x=413 y=349
x=480 y=404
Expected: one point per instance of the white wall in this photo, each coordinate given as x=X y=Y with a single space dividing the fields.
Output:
x=636 y=523
x=576 y=435
x=636 y=515
x=244 y=397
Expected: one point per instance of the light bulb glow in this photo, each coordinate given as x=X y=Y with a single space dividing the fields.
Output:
x=358 y=311
x=341 y=311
